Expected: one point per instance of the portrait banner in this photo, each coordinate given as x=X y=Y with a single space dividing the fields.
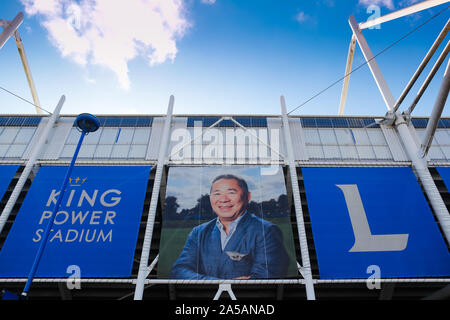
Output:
x=95 y=229
x=226 y=222
x=373 y=223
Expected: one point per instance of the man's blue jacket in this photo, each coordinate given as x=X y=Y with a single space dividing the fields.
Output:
x=255 y=249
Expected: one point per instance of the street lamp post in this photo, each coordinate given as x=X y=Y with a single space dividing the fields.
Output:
x=86 y=123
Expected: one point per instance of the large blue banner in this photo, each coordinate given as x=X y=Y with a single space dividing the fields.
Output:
x=367 y=220
x=444 y=172
x=6 y=174
x=94 y=232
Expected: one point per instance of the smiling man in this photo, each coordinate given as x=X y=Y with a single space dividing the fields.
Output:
x=235 y=245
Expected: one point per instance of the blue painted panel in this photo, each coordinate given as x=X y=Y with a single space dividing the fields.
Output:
x=95 y=229
x=392 y=203
x=444 y=172
x=6 y=174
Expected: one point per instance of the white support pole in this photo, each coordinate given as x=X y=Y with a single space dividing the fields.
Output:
x=10 y=29
x=436 y=113
x=422 y=65
x=27 y=70
x=348 y=69
x=36 y=152
x=143 y=264
x=310 y=295
x=373 y=66
x=424 y=175
x=430 y=77
x=423 y=5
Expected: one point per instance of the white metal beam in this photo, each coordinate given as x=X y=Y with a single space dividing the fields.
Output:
x=373 y=66
x=402 y=12
x=35 y=154
x=420 y=167
x=348 y=69
x=423 y=64
x=436 y=113
x=143 y=264
x=430 y=77
x=10 y=29
x=309 y=283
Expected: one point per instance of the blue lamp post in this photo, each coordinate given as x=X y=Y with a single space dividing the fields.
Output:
x=85 y=123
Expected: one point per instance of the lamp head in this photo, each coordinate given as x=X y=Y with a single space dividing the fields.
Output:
x=87 y=122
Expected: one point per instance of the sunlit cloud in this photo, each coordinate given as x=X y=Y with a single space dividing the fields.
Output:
x=111 y=33
x=382 y=3
x=301 y=17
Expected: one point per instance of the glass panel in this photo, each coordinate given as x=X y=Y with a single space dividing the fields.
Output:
x=16 y=151
x=8 y=135
x=365 y=152
x=87 y=151
x=3 y=149
x=308 y=122
x=311 y=136
x=25 y=135
x=339 y=123
x=120 y=151
x=361 y=136
x=103 y=151
x=348 y=152
x=68 y=151
x=315 y=152
x=125 y=136
x=442 y=137
x=327 y=136
x=331 y=152
x=355 y=123
x=91 y=138
x=344 y=137
x=419 y=123
x=323 y=122
x=436 y=153
x=108 y=135
x=376 y=137
x=382 y=152
x=74 y=136
x=138 y=151
x=446 y=150
x=421 y=134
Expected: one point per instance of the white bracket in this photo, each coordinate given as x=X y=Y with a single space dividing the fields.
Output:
x=301 y=270
x=224 y=287
x=151 y=266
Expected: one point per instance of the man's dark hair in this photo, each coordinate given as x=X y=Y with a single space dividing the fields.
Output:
x=241 y=182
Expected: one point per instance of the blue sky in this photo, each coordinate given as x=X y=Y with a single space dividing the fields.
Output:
x=222 y=56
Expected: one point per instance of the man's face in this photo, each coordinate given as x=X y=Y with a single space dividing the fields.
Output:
x=227 y=199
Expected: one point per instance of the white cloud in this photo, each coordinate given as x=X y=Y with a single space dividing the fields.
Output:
x=110 y=33
x=382 y=3
x=301 y=17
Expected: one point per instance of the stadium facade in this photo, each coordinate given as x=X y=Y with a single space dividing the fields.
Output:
x=339 y=207
x=201 y=141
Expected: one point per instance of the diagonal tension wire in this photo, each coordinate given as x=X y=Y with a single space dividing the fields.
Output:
x=366 y=62
x=17 y=96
